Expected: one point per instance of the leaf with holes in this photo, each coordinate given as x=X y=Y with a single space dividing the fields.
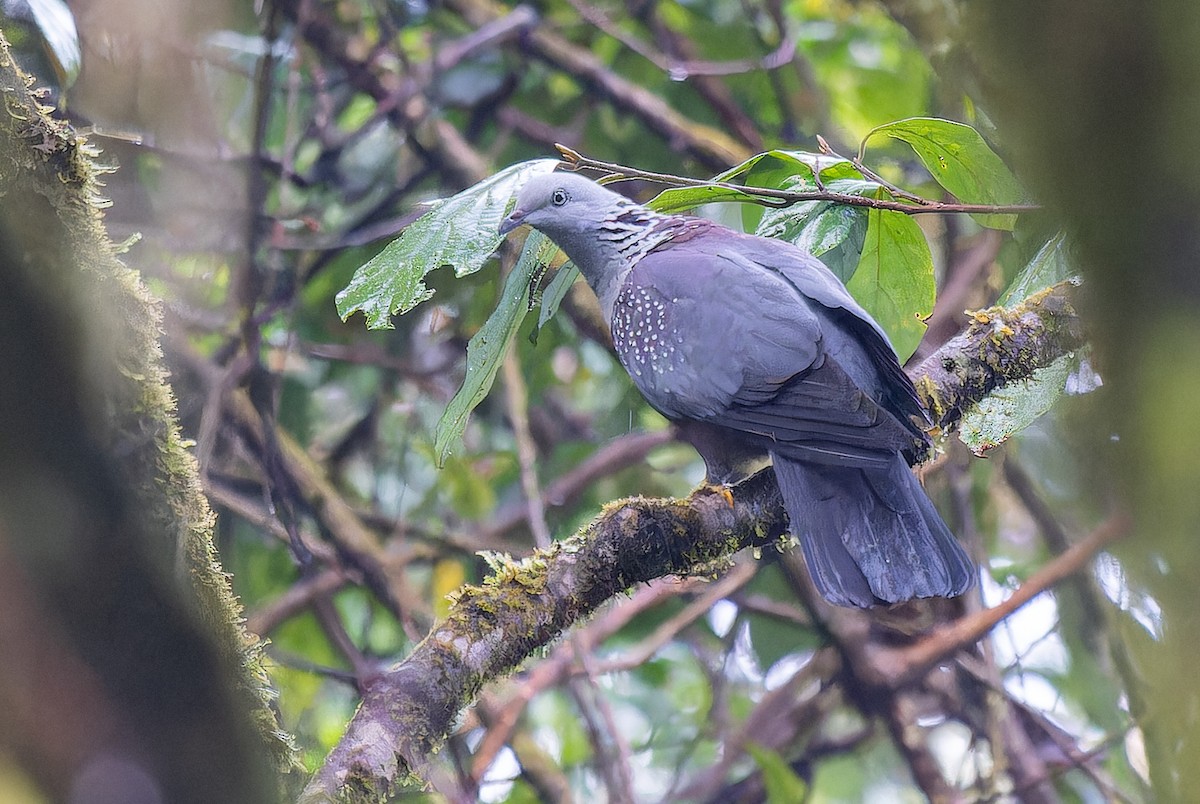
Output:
x=461 y=231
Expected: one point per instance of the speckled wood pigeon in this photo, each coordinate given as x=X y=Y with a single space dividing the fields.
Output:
x=757 y=350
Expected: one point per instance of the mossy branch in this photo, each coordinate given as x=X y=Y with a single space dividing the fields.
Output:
x=102 y=519
x=1000 y=345
x=407 y=711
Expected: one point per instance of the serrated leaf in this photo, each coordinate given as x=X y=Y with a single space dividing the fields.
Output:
x=1012 y=408
x=487 y=347
x=958 y=159
x=781 y=782
x=1049 y=266
x=894 y=279
x=461 y=231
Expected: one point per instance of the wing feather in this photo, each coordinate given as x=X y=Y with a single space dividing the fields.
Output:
x=743 y=347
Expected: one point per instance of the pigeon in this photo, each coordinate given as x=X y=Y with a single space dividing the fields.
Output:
x=759 y=354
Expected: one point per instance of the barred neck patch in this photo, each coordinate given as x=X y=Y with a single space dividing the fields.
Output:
x=637 y=231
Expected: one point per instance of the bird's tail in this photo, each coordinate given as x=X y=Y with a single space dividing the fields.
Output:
x=871 y=536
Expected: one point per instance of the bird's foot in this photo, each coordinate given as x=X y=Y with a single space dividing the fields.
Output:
x=718 y=489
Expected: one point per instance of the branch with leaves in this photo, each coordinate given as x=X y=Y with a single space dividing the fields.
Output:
x=721 y=189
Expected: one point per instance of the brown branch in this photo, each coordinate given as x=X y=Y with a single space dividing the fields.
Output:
x=1020 y=713
x=410 y=708
x=265 y=618
x=618 y=454
x=901 y=713
x=558 y=665
x=684 y=68
x=786 y=715
x=772 y=197
x=711 y=147
x=406 y=713
x=999 y=346
x=899 y=667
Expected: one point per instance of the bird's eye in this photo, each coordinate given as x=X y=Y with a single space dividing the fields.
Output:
x=558 y=198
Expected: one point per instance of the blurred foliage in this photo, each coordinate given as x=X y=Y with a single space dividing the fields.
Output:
x=264 y=172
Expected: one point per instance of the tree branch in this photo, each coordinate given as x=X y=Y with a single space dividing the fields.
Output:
x=1000 y=345
x=769 y=196
x=711 y=147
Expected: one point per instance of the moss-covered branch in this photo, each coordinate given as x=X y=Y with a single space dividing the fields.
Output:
x=409 y=710
x=105 y=536
x=999 y=346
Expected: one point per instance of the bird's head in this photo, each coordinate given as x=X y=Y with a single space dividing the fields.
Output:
x=595 y=227
x=563 y=204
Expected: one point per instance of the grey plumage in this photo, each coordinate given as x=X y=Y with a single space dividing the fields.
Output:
x=757 y=350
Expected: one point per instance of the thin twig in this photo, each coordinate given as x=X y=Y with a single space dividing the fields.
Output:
x=681 y=69
x=517 y=396
x=910 y=663
x=771 y=197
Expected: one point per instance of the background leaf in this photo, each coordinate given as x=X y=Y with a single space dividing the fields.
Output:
x=782 y=783
x=487 y=347
x=894 y=280
x=461 y=231
x=958 y=159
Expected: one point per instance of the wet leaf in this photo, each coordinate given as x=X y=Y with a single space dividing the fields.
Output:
x=958 y=159
x=1010 y=409
x=487 y=347
x=461 y=231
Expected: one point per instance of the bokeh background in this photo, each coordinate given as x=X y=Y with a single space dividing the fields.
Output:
x=261 y=152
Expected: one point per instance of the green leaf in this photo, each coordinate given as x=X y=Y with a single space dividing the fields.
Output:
x=1049 y=266
x=459 y=231
x=555 y=292
x=770 y=168
x=894 y=279
x=833 y=232
x=1012 y=408
x=487 y=347
x=958 y=159
x=792 y=170
x=782 y=784
x=681 y=199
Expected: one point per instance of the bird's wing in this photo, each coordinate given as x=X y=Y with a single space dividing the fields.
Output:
x=815 y=281
x=719 y=340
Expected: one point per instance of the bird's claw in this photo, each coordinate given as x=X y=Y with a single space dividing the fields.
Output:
x=720 y=490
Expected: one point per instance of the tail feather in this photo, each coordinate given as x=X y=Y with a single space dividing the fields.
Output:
x=871 y=536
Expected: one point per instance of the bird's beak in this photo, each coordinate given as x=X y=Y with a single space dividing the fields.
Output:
x=512 y=221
